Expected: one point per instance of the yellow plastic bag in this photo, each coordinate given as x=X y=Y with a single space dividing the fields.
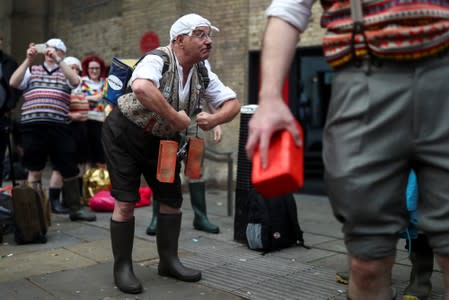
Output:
x=95 y=180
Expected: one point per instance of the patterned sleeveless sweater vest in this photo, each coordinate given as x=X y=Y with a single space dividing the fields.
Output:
x=47 y=98
x=142 y=117
x=394 y=29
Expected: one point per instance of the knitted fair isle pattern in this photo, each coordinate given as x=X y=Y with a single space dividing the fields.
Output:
x=394 y=29
x=47 y=98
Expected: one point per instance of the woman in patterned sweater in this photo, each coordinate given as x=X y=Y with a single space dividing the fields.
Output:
x=92 y=84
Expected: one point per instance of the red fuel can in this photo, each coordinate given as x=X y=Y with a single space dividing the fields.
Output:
x=285 y=171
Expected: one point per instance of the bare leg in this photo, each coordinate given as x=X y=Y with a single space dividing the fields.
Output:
x=443 y=261
x=123 y=211
x=34 y=176
x=370 y=279
x=83 y=169
x=56 y=180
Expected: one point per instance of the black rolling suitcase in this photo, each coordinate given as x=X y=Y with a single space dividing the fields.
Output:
x=31 y=210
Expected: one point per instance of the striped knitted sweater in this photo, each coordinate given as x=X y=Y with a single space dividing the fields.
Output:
x=78 y=103
x=394 y=29
x=47 y=97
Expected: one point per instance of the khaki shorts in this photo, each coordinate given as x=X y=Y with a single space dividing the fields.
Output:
x=378 y=127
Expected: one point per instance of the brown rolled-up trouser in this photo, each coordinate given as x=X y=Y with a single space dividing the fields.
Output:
x=379 y=126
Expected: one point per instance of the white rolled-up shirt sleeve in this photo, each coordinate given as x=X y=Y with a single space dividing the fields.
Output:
x=149 y=68
x=295 y=12
x=25 y=80
x=217 y=93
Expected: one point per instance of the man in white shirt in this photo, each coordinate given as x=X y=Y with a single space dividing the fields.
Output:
x=167 y=89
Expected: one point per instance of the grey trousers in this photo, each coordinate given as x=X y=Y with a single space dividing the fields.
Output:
x=379 y=125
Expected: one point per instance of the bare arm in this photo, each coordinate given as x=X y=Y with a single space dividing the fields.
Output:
x=71 y=75
x=150 y=97
x=19 y=73
x=78 y=116
x=278 y=50
x=273 y=114
x=73 y=78
x=217 y=132
x=224 y=114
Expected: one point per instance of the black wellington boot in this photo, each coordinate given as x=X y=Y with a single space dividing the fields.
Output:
x=122 y=239
x=198 y=200
x=168 y=229
x=151 y=229
x=55 y=202
x=73 y=201
x=421 y=256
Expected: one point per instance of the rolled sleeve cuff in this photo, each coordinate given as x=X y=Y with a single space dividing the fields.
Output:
x=149 y=68
x=227 y=95
x=295 y=12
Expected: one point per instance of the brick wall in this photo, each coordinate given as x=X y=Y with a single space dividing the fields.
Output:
x=314 y=33
x=257 y=22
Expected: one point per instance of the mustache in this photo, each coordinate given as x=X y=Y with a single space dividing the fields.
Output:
x=209 y=46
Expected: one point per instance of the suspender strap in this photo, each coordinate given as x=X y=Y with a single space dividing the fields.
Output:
x=359 y=28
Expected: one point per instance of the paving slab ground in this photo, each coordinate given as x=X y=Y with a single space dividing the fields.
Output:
x=76 y=262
